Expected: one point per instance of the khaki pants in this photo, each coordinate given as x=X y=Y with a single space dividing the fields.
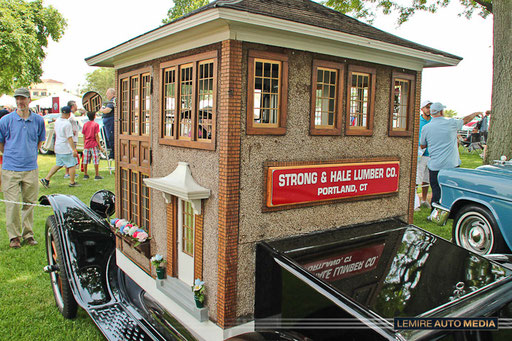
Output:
x=24 y=187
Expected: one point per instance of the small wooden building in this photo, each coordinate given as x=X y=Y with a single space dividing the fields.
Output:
x=252 y=120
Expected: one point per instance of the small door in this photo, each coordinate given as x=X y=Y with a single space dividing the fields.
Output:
x=186 y=232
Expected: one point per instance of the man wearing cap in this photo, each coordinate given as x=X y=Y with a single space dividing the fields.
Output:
x=422 y=173
x=22 y=133
x=65 y=149
x=440 y=136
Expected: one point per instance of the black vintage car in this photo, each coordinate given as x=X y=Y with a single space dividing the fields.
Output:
x=343 y=284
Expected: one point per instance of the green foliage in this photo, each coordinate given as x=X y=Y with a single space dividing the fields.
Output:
x=182 y=7
x=25 y=28
x=368 y=9
x=99 y=80
x=449 y=113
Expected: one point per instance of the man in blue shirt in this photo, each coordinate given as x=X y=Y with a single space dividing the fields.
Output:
x=21 y=135
x=108 y=121
x=440 y=136
x=422 y=173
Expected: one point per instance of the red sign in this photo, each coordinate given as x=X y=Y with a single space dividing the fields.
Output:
x=55 y=105
x=304 y=184
x=346 y=264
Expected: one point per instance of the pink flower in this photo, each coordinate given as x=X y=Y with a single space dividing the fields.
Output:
x=142 y=236
x=135 y=234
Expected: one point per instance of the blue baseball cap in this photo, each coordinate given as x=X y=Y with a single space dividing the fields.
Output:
x=65 y=109
x=436 y=108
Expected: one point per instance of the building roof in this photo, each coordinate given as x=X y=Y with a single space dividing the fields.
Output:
x=51 y=81
x=296 y=16
x=312 y=13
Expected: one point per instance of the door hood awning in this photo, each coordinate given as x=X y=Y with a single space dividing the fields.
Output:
x=181 y=184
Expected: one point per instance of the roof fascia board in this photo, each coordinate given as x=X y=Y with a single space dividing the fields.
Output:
x=244 y=25
x=319 y=32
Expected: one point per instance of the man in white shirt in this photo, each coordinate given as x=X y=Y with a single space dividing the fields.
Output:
x=65 y=150
x=76 y=130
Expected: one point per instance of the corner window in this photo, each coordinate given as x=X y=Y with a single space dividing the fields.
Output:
x=267 y=93
x=135 y=200
x=360 y=101
x=326 y=98
x=401 y=104
x=189 y=101
x=135 y=104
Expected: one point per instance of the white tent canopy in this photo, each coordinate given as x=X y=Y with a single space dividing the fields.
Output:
x=7 y=100
x=64 y=97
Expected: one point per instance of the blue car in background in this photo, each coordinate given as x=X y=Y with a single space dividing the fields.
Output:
x=480 y=203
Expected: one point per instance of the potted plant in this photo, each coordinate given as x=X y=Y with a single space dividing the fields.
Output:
x=199 y=296
x=157 y=261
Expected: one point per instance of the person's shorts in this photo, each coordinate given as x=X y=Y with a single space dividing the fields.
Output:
x=65 y=160
x=422 y=170
x=91 y=154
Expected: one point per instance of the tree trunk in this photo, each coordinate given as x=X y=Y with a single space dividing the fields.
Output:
x=500 y=131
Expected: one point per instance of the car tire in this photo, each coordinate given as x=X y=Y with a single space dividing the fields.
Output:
x=475 y=229
x=62 y=293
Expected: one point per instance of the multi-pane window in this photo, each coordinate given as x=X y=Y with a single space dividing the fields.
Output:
x=144 y=195
x=135 y=199
x=326 y=98
x=135 y=111
x=146 y=104
x=169 y=105
x=267 y=93
x=360 y=101
x=205 y=101
x=188 y=229
x=124 y=106
x=188 y=101
x=401 y=105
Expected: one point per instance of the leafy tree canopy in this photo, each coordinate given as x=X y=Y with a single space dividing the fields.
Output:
x=449 y=113
x=182 y=7
x=367 y=9
x=25 y=28
x=99 y=80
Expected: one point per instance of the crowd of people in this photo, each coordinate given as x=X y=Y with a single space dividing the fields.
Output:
x=22 y=133
x=438 y=146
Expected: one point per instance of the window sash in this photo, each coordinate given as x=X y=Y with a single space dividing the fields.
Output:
x=360 y=100
x=325 y=98
x=401 y=105
x=135 y=198
x=189 y=101
x=267 y=100
x=134 y=105
x=124 y=105
x=188 y=228
x=145 y=115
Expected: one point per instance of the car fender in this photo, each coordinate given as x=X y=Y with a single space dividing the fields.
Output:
x=88 y=246
x=486 y=186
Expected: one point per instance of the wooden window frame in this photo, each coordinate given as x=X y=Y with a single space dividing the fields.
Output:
x=191 y=142
x=280 y=129
x=139 y=73
x=338 y=116
x=410 y=104
x=368 y=130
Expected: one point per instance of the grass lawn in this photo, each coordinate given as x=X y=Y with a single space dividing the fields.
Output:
x=469 y=160
x=27 y=307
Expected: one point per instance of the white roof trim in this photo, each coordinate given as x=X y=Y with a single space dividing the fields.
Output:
x=181 y=184
x=249 y=19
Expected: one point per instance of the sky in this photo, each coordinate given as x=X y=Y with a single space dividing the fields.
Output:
x=95 y=26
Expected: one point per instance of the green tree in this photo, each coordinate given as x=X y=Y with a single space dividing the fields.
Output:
x=449 y=113
x=25 y=27
x=99 y=80
x=500 y=139
x=182 y=7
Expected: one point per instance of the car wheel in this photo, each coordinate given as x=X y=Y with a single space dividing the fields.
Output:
x=60 y=285
x=475 y=229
